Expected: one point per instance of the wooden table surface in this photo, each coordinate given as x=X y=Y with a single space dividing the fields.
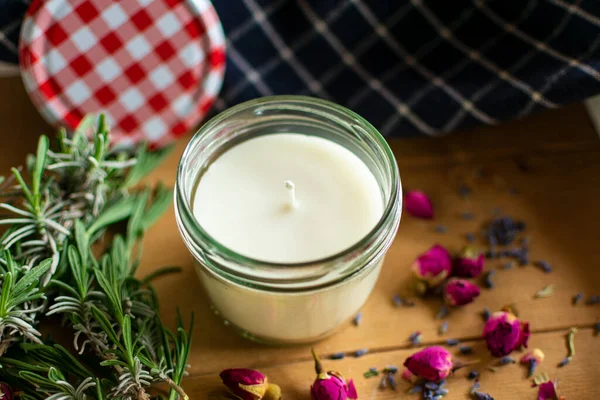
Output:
x=551 y=160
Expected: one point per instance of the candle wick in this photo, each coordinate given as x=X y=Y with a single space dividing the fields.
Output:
x=289 y=185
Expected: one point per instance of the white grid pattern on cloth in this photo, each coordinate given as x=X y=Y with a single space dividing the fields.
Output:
x=335 y=43
x=541 y=46
x=420 y=68
x=363 y=46
x=556 y=77
x=477 y=57
x=287 y=54
x=90 y=82
x=275 y=61
x=458 y=117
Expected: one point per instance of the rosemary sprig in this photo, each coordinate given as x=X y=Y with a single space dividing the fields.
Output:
x=47 y=267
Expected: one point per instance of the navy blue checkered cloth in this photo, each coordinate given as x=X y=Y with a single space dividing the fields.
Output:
x=411 y=66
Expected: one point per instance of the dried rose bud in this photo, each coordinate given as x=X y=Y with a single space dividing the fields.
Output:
x=5 y=392
x=458 y=292
x=248 y=384
x=408 y=376
x=418 y=205
x=503 y=333
x=432 y=363
x=547 y=391
x=330 y=385
x=469 y=264
x=433 y=266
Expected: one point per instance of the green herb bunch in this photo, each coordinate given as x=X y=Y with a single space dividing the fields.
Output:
x=56 y=259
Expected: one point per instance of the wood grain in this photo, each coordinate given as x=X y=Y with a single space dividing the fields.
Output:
x=553 y=161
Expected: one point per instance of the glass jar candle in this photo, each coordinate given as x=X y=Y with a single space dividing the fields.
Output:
x=288 y=204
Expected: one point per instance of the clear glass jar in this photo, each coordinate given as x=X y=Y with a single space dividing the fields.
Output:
x=288 y=303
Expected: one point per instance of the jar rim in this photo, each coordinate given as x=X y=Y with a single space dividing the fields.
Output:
x=198 y=232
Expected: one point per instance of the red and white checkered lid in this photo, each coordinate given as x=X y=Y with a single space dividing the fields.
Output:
x=153 y=66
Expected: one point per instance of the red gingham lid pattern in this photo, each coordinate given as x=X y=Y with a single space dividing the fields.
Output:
x=153 y=66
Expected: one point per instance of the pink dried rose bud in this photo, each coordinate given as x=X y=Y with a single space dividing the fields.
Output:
x=503 y=333
x=248 y=384
x=432 y=363
x=458 y=292
x=408 y=376
x=536 y=354
x=469 y=264
x=330 y=385
x=5 y=392
x=433 y=266
x=547 y=391
x=417 y=204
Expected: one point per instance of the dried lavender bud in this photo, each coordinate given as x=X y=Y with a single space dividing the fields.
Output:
x=415 y=389
x=597 y=328
x=337 y=356
x=360 y=352
x=452 y=342
x=392 y=369
x=464 y=190
x=441 y=229
x=531 y=367
x=443 y=328
x=475 y=386
x=525 y=241
x=577 y=298
x=470 y=236
x=357 y=319
x=415 y=338
x=443 y=313
x=564 y=362
x=486 y=314
x=508 y=265
x=467 y=216
x=593 y=300
x=504 y=230
x=397 y=300
x=382 y=383
x=442 y=392
x=465 y=350
x=392 y=381
x=543 y=265
x=506 y=360
x=472 y=375
x=431 y=385
x=488 y=279
x=482 y=396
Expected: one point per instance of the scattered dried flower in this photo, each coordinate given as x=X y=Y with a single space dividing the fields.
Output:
x=503 y=333
x=476 y=385
x=505 y=230
x=382 y=383
x=469 y=263
x=330 y=385
x=415 y=389
x=452 y=342
x=506 y=360
x=593 y=300
x=415 y=338
x=543 y=265
x=443 y=328
x=418 y=204
x=465 y=350
x=433 y=266
x=443 y=313
x=467 y=216
x=577 y=298
x=6 y=392
x=408 y=376
x=458 y=292
x=470 y=237
x=488 y=279
x=337 y=356
x=464 y=190
x=508 y=265
x=432 y=363
x=371 y=373
x=392 y=381
x=597 y=328
x=547 y=391
x=397 y=300
x=441 y=228
x=546 y=291
x=564 y=362
x=532 y=359
x=357 y=319
x=472 y=375
x=246 y=384
x=486 y=314
x=539 y=379
x=481 y=396
x=360 y=352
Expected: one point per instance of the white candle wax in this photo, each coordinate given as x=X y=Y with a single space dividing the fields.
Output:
x=288 y=198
